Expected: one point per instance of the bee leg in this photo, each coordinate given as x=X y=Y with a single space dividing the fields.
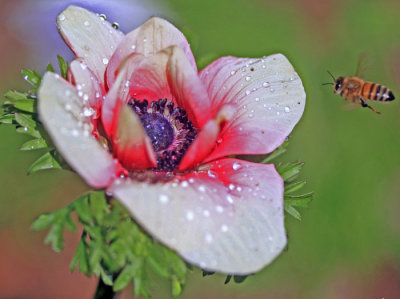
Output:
x=366 y=105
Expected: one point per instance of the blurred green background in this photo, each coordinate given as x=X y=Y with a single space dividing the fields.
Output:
x=348 y=243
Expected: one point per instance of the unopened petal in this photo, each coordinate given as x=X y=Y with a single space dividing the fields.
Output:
x=151 y=37
x=226 y=217
x=269 y=99
x=89 y=37
x=62 y=112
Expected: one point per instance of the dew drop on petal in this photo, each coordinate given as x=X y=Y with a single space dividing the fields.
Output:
x=229 y=199
x=206 y=213
x=236 y=166
x=211 y=174
x=105 y=60
x=271 y=89
x=231 y=186
x=184 y=184
x=103 y=17
x=163 y=198
x=233 y=72
x=189 y=215
x=115 y=25
x=257 y=99
x=265 y=84
x=202 y=188
x=208 y=238
x=248 y=92
x=86 y=23
x=248 y=78
x=219 y=209
x=224 y=228
x=61 y=17
x=287 y=109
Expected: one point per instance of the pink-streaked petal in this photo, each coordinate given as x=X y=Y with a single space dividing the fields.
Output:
x=269 y=98
x=118 y=92
x=87 y=84
x=131 y=144
x=151 y=37
x=226 y=217
x=206 y=139
x=187 y=88
x=89 y=37
x=62 y=112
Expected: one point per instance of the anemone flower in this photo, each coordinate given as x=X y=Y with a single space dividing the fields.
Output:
x=137 y=118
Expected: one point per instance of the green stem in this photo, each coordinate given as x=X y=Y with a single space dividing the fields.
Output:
x=104 y=291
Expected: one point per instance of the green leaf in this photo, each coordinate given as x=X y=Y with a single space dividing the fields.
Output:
x=43 y=221
x=34 y=144
x=276 y=153
x=125 y=277
x=28 y=125
x=239 y=278
x=294 y=186
x=46 y=161
x=32 y=77
x=98 y=205
x=299 y=200
x=80 y=257
x=27 y=105
x=106 y=278
x=55 y=236
x=50 y=68
x=228 y=279
x=289 y=171
x=292 y=211
x=63 y=66
x=14 y=95
x=81 y=206
x=176 y=287
x=7 y=119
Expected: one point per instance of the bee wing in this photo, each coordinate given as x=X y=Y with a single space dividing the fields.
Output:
x=363 y=64
x=349 y=105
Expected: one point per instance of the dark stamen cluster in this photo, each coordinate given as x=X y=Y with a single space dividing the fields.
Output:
x=169 y=129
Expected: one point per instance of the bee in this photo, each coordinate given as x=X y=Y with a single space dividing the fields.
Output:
x=356 y=90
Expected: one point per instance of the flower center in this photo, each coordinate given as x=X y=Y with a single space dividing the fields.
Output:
x=169 y=129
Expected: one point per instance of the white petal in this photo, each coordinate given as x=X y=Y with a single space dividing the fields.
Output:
x=90 y=37
x=228 y=217
x=62 y=112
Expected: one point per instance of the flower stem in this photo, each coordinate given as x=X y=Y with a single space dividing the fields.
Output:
x=104 y=291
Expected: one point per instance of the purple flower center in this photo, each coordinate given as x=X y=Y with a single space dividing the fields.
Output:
x=169 y=129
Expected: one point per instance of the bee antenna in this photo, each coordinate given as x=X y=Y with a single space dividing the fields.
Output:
x=329 y=83
x=333 y=77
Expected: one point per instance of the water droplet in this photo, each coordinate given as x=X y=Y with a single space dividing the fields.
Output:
x=133 y=47
x=224 y=228
x=251 y=115
x=265 y=84
x=248 y=78
x=184 y=184
x=271 y=89
x=248 y=92
x=229 y=199
x=25 y=129
x=26 y=77
x=277 y=113
x=145 y=40
x=202 y=188
x=236 y=166
x=231 y=186
x=189 y=215
x=239 y=189
x=75 y=133
x=85 y=97
x=206 y=213
x=88 y=111
x=86 y=23
x=287 y=109
x=163 y=198
x=208 y=238
x=291 y=79
x=115 y=25
x=67 y=107
x=211 y=174
x=103 y=17
x=233 y=72
x=191 y=180
x=219 y=209
x=257 y=99
x=105 y=60
x=219 y=140
x=61 y=17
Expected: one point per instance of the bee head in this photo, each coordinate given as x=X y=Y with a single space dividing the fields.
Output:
x=338 y=84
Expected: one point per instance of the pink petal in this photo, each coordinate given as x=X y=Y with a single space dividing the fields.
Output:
x=62 y=112
x=226 y=217
x=187 y=89
x=131 y=144
x=88 y=85
x=206 y=139
x=151 y=37
x=89 y=37
x=269 y=98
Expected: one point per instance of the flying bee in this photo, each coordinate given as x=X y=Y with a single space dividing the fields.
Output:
x=356 y=90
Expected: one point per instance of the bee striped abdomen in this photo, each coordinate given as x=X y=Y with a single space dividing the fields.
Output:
x=376 y=92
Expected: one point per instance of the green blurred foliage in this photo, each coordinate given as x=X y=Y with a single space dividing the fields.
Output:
x=352 y=159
